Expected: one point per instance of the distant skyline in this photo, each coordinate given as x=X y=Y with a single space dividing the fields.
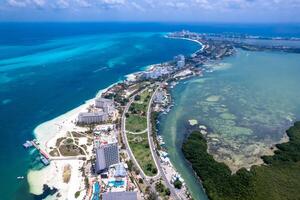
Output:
x=248 y=11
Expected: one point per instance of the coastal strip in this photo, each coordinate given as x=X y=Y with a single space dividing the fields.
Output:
x=88 y=133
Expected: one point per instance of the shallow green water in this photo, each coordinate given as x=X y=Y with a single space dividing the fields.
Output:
x=247 y=104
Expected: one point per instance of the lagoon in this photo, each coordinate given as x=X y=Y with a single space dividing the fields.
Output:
x=247 y=103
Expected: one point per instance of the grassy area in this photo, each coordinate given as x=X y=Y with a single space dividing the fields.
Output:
x=135 y=123
x=141 y=150
x=163 y=191
x=137 y=119
x=279 y=179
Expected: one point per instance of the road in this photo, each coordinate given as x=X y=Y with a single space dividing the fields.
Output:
x=125 y=141
x=160 y=173
x=124 y=137
x=152 y=147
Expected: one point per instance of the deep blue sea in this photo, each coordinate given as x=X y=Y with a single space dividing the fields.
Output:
x=47 y=69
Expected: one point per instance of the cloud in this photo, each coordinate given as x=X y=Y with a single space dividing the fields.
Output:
x=111 y=4
x=61 y=4
x=39 y=3
x=83 y=3
x=17 y=3
x=137 y=6
x=156 y=10
x=176 y=4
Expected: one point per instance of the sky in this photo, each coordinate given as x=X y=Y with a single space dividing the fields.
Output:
x=252 y=11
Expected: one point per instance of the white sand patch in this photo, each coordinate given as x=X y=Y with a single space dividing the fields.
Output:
x=82 y=141
x=47 y=130
x=53 y=177
x=193 y=122
x=47 y=133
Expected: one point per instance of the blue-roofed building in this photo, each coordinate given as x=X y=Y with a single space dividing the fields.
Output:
x=119 y=196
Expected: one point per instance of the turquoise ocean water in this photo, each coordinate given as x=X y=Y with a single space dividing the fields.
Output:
x=47 y=69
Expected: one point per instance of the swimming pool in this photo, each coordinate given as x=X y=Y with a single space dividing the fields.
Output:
x=115 y=183
x=96 y=191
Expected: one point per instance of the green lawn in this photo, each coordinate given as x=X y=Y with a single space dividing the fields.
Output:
x=137 y=120
x=136 y=123
x=139 y=108
x=141 y=150
x=145 y=96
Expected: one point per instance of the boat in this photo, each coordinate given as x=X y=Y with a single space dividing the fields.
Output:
x=44 y=160
x=20 y=177
x=27 y=144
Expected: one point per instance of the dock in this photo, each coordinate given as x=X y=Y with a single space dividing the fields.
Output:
x=42 y=152
x=45 y=158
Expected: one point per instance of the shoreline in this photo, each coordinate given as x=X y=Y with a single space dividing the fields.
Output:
x=47 y=133
x=188 y=39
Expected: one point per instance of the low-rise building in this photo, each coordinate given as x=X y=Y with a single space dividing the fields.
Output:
x=119 y=196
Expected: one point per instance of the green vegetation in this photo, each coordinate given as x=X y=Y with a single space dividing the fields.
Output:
x=178 y=184
x=154 y=117
x=162 y=189
x=77 y=194
x=54 y=152
x=279 y=179
x=70 y=150
x=136 y=119
x=141 y=150
x=136 y=123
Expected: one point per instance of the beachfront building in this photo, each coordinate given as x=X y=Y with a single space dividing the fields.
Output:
x=119 y=196
x=92 y=117
x=106 y=155
x=107 y=105
x=156 y=73
x=180 y=60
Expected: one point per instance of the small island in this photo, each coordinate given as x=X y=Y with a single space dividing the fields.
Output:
x=278 y=178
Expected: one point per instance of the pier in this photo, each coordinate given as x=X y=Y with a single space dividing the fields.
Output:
x=42 y=152
x=45 y=158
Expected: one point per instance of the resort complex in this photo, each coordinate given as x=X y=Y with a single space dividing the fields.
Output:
x=110 y=149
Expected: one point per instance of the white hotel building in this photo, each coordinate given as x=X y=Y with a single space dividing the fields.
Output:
x=93 y=117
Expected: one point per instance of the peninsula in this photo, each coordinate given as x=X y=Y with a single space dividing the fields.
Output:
x=109 y=148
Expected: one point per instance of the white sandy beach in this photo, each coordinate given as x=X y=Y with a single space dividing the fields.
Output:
x=47 y=133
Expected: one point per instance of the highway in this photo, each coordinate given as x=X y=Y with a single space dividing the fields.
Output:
x=160 y=173
x=125 y=141
x=152 y=147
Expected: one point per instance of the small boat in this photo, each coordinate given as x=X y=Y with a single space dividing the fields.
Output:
x=44 y=160
x=20 y=177
x=27 y=144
